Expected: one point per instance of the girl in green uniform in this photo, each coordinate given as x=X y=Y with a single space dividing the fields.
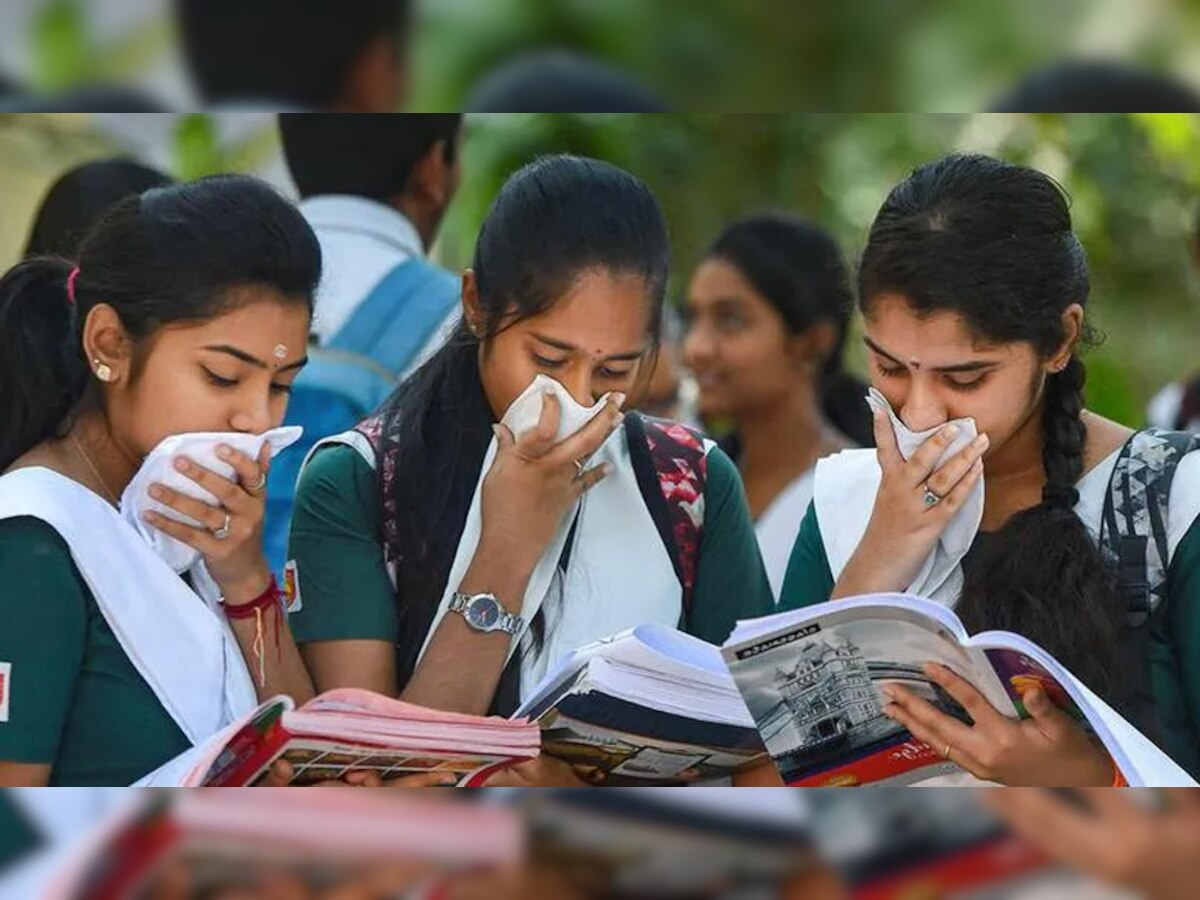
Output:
x=431 y=523
x=188 y=311
x=973 y=289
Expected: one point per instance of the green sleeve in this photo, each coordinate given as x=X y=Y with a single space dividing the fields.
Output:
x=808 y=579
x=342 y=581
x=1178 y=698
x=731 y=583
x=17 y=835
x=43 y=623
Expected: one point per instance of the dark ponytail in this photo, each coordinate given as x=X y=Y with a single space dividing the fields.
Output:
x=170 y=255
x=552 y=221
x=43 y=375
x=993 y=242
x=797 y=267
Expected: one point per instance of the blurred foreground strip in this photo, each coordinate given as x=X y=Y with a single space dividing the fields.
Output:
x=288 y=844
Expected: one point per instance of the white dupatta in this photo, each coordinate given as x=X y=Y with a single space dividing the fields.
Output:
x=176 y=638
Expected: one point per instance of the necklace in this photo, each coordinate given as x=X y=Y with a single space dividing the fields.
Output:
x=96 y=472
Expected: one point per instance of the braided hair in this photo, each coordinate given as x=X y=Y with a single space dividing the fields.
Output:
x=992 y=242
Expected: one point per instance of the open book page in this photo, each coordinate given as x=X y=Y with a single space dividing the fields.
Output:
x=811 y=682
x=649 y=706
x=1022 y=665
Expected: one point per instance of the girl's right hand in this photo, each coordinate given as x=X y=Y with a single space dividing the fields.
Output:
x=534 y=481
x=904 y=529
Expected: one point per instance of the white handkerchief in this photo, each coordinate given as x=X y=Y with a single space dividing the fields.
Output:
x=523 y=413
x=960 y=532
x=159 y=467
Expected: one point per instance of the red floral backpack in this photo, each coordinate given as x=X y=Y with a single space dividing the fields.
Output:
x=671 y=469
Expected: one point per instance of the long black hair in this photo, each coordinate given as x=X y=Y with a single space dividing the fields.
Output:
x=169 y=255
x=798 y=268
x=552 y=221
x=992 y=242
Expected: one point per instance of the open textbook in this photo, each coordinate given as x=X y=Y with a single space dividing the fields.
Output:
x=349 y=730
x=811 y=679
x=651 y=705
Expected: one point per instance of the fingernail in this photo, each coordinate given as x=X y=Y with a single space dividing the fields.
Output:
x=932 y=670
x=182 y=464
x=156 y=492
x=950 y=432
x=888 y=691
x=149 y=517
x=223 y=451
x=981 y=441
x=619 y=399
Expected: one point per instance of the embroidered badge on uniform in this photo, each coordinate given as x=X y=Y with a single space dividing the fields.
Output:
x=5 y=689
x=291 y=587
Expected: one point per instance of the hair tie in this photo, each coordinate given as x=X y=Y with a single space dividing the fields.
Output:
x=1060 y=496
x=71 y=285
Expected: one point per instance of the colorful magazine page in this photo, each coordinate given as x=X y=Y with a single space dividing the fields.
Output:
x=811 y=679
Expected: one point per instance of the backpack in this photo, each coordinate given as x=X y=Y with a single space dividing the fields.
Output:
x=1133 y=541
x=347 y=379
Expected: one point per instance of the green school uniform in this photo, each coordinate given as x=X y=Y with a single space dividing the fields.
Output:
x=345 y=592
x=76 y=702
x=17 y=834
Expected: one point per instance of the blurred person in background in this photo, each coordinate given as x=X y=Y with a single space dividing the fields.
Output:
x=671 y=391
x=1148 y=843
x=391 y=544
x=374 y=188
x=1097 y=86
x=78 y=199
x=561 y=81
x=298 y=54
x=1177 y=406
x=973 y=288
x=188 y=310
x=768 y=310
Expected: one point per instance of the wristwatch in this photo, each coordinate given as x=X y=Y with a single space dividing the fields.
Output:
x=485 y=613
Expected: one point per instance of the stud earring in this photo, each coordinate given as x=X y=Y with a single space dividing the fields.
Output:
x=103 y=371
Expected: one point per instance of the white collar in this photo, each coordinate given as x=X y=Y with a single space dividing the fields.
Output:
x=348 y=213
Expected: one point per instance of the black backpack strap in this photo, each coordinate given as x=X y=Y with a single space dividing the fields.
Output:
x=669 y=464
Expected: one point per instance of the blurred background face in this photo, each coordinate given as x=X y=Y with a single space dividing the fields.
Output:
x=737 y=345
x=933 y=369
x=225 y=374
x=593 y=340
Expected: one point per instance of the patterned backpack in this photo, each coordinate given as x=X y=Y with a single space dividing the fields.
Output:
x=1133 y=539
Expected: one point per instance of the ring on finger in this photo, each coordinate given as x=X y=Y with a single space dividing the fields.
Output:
x=258 y=485
x=946 y=753
x=932 y=498
x=223 y=532
x=580 y=470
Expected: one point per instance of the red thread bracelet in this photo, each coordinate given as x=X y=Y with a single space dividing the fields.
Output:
x=271 y=598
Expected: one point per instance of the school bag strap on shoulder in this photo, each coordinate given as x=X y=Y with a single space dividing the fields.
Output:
x=1133 y=529
x=671 y=467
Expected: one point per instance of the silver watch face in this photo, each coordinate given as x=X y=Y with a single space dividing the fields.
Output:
x=483 y=613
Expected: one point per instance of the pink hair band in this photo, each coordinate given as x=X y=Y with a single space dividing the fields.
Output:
x=71 y=284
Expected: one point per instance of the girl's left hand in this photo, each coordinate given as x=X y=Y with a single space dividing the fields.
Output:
x=1048 y=750
x=235 y=561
